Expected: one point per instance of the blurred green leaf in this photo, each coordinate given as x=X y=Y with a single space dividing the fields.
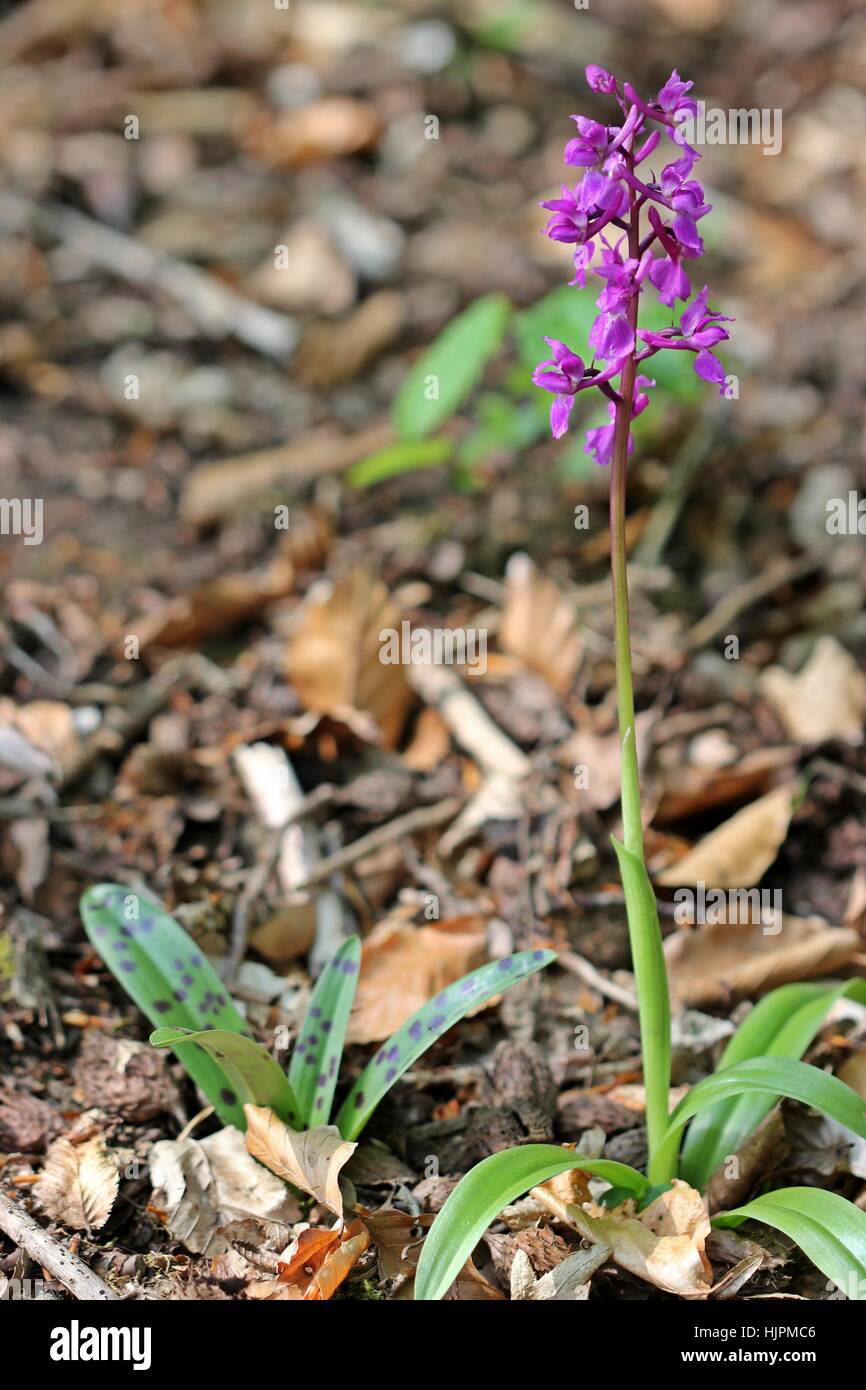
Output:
x=407 y=456
x=450 y=368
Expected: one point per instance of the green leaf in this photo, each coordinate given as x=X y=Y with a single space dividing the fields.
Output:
x=166 y=976
x=256 y=1078
x=654 y=1008
x=315 y=1060
x=429 y=1023
x=404 y=457
x=782 y=1024
x=456 y=360
x=480 y=1196
x=774 y=1076
x=831 y=1231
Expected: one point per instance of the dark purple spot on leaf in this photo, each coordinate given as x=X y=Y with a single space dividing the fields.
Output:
x=322 y=1079
x=228 y=1096
x=390 y=1073
x=310 y=1061
x=162 y=1006
x=505 y=963
x=441 y=998
x=359 y=1100
x=188 y=980
x=326 y=1027
x=416 y=1029
x=393 y=1053
x=320 y=1102
x=180 y=995
x=315 y=1013
x=350 y=967
x=312 y=1040
x=467 y=987
x=436 y=1022
x=380 y=1057
x=538 y=955
x=195 y=960
x=301 y=1048
x=128 y=966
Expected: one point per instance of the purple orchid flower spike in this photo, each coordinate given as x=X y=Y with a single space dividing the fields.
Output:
x=612 y=193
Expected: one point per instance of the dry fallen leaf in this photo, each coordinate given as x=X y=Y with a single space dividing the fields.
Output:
x=737 y=853
x=689 y=790
x=827 y=700
x=600 y=755
x=569 y=1281
x=539 y=624
x=333 y=659
x=39 y=739
x=398 y=1237
x=663 y=1245
x=708 y=964
x=322 y=130
x=310 y=1159
x=402 y=966
x=215 y=607
x=78 y=1183
x=201 y=1187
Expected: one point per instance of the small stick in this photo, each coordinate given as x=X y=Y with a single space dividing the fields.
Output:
x=746 y=596
x=420 y=819
x=72 y=1272
x=569 y=960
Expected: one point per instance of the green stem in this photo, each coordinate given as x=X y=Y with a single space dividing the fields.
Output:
x=643 y=924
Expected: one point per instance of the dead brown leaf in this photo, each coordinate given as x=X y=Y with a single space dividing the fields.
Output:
x=737 y=853
x=322 y=130
x=710 y=963
x=664 y=1245
x=689 y=791
x=201 y=1188
x=310 y=1159
x=78 y=1183
x=333 y=659
x=402 y=966
x=539 y=624
x=215 y=607
x=826 y=700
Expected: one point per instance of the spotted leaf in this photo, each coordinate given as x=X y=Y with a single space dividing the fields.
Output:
x=315 y=1061
x=256 y=1079
x=167 y=977
x=432 y=1020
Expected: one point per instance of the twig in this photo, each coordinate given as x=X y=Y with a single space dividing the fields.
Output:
x=213 y=307
x=594 y=978
x=255 y=884
x=467 y=719
x=746 y=596
x=72 y=1272
x=420 y=819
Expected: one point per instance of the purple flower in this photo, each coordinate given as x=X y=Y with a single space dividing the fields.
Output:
x=670 y=280
x=561 y=374
x=569 y=221
x=600 y=80
x=590 y=145
x=699 y=330
x=582 y=260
